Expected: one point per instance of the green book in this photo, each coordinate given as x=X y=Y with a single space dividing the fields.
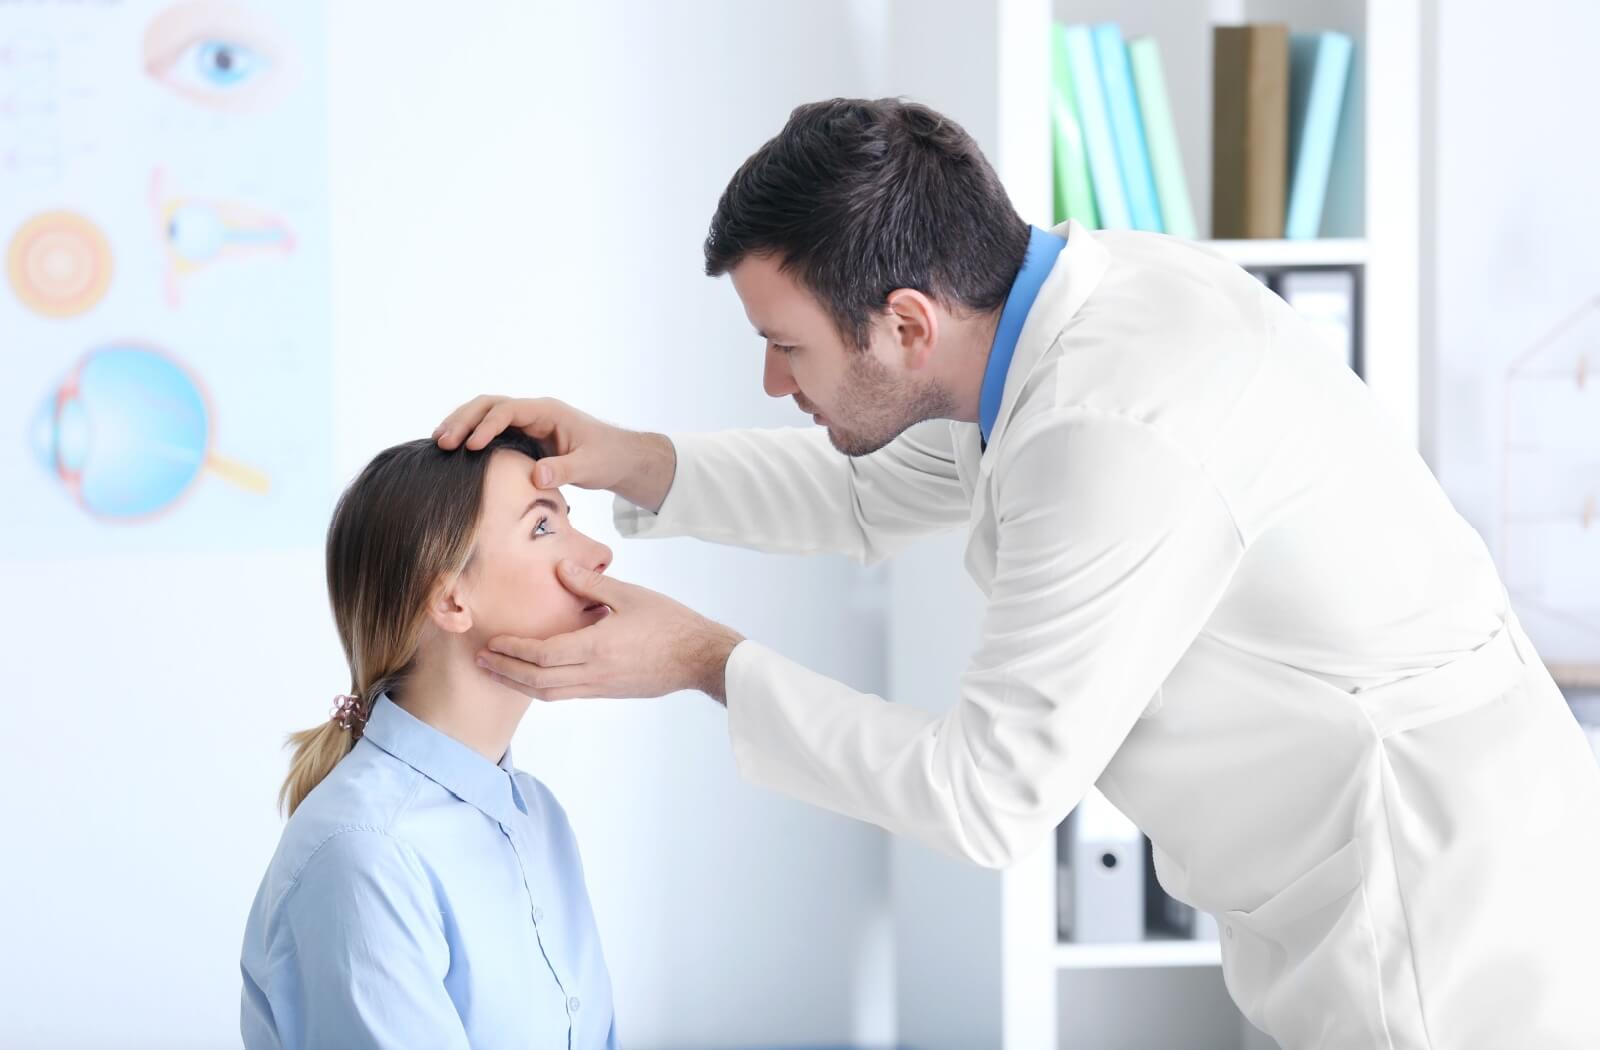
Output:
x=1172 y=188
x=1074 y=193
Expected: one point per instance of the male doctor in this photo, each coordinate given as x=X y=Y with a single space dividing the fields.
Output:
x=1220 y=586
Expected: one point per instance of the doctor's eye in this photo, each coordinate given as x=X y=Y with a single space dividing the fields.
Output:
x=214 y=53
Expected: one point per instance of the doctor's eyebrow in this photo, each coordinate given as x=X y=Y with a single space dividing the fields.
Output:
x=541 y=501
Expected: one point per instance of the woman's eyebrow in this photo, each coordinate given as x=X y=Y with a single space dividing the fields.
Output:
x=542 y=501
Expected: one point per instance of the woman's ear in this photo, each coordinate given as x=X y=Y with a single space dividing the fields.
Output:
x=448 y=609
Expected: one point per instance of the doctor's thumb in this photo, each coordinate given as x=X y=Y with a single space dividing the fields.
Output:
x=587 y=583
x=552 y=472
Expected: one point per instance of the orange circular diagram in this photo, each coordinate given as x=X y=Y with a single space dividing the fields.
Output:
x=59 y=264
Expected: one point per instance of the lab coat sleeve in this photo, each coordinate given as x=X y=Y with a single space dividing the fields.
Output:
x=789 y=491
x=1114 y=548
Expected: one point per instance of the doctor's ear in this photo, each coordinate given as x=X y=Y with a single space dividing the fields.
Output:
x=914 y=318
x=447 y=607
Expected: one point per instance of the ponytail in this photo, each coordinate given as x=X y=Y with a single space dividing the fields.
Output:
x=316 y=752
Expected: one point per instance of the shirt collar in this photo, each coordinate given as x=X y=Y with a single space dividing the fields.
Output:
x=446 y=761
x=1043 y=247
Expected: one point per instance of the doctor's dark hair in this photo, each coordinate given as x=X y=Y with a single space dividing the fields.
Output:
x=404 y=524
x=858 y=198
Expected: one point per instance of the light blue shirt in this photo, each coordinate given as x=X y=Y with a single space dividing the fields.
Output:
x=1043 y=247
x=422 y=896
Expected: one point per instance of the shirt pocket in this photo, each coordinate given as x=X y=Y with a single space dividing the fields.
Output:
x=1303 y=965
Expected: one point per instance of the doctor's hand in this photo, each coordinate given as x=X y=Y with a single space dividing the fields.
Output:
x=580 y=450
x=648 y=646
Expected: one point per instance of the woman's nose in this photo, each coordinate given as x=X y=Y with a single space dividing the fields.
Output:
x=600 y=557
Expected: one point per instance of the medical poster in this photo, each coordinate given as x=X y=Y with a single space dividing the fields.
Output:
x=1550 y=498
x=164 y=331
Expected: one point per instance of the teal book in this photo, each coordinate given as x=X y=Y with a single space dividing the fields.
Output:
x=1161 y=136
x=1074 y=192
x=1319 y=73
x=1127 y=128
x=1109 y=196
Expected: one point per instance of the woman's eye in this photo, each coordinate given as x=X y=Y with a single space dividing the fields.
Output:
x=543 y=528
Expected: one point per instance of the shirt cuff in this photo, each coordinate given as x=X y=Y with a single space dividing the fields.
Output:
x=749 y=665
x=635 y=522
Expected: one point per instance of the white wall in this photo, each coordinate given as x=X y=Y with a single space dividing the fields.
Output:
x=519 y=192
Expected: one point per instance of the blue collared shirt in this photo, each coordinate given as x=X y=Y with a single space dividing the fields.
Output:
x=1043 y=247
x=422 y=896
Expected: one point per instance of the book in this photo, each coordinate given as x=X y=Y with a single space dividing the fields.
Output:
x=1250 y=130
x=1127 y=127
x=1074 y=192
x=1109 y=196
x=1161 y=136
x=1319 y=71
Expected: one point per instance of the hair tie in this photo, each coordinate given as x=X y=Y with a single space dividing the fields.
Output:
x=347 y=713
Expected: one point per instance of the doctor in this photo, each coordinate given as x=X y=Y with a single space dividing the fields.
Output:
x=1220 y=586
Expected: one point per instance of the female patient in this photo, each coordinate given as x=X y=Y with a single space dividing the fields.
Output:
x=425 y=893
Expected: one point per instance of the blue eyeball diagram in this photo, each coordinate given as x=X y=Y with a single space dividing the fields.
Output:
x=127 y=432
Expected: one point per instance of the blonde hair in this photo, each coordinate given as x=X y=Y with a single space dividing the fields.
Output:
x=405 y=523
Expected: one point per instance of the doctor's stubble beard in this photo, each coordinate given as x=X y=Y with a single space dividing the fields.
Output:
x=875 y=408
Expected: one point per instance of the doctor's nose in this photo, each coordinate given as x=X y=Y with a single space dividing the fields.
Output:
x=776 y=378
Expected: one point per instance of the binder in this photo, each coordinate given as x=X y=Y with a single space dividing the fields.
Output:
x=1127 y=128
x=1109 y=196
x=1325 y=298
x=1250 y=130
x=1074 y=192
x=1101 y=895
x=1319 y=71
x=1161 y=134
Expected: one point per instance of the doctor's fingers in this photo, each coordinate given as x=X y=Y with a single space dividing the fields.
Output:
x=563 y=650
x=501 y=416
x=532 y=679
x=460 y=423
x=543 y=695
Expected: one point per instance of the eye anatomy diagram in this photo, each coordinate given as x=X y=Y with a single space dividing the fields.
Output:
x=59 y=264
x=1550 y=527
x=128 y=431
x=198 y=233
x=164 y=277
x=218 y=54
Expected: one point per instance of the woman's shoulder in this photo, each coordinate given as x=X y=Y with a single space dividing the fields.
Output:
x=356 y=813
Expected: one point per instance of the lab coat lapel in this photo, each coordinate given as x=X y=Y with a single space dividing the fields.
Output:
x=1077 y=271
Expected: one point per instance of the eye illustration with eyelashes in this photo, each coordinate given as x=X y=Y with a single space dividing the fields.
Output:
x=218 y=54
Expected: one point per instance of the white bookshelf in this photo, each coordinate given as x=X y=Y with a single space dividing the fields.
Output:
x=978 y=963
x=1329 y=251
x=1144 y=955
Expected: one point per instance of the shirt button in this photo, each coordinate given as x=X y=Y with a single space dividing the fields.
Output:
x=1230 y=932
x=573 y=1004
x=538 y=915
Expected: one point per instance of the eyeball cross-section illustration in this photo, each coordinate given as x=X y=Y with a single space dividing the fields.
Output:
x=128 y=432
x=59 y=264
x=199 y=233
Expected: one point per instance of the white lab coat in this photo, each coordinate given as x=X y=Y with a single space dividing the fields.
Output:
x=1223 y=588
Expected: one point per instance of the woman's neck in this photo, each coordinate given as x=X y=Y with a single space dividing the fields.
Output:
x=447 y=690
